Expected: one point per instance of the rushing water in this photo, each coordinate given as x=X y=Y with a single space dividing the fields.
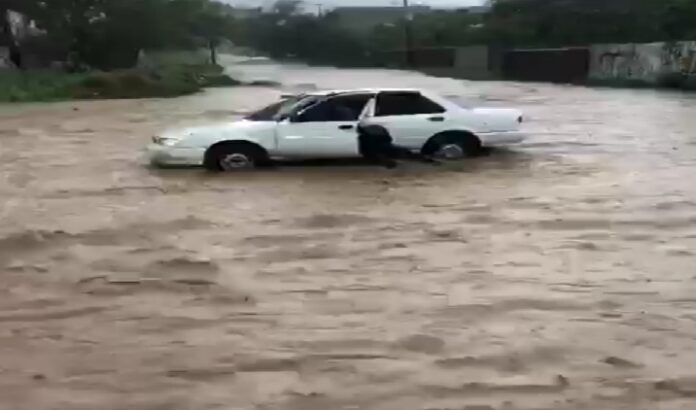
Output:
x=559 y=274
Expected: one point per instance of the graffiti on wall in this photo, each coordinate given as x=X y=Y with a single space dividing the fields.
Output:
x=646 y=62
x=680 y=57
x=688 y=63
x=620 y=64
x=627 y=61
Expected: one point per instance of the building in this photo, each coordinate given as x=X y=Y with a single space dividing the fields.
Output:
x=364 y=19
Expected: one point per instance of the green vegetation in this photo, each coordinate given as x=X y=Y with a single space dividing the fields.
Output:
x=582 y=22
x=109 y=34
x=510 y=23
x=168 y=81
x=37 y=85
x=98 y=43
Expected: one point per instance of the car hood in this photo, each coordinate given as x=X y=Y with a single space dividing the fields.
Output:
x=243 y=127
x=206 y=135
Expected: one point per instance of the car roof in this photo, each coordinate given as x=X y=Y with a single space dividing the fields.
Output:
x=363 y=90
x=322 y=93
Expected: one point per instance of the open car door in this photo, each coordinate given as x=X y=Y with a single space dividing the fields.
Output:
x=326 y=129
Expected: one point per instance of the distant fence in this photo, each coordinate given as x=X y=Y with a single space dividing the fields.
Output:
x=559 y=65
x=648 y=63
x=420 y=57
x=570 y=65
x=472 y=62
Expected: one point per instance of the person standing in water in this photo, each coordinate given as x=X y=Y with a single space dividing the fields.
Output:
x=377 y=145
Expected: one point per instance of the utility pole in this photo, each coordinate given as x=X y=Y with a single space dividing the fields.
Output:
x=319 y=6
x=408 y=34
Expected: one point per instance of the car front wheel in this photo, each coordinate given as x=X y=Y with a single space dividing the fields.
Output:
x=233 y=157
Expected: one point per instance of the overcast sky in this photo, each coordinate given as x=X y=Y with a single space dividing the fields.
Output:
x=333 y=3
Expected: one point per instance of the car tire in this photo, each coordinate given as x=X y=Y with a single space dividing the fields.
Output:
x=453 y=146
x=229 y=157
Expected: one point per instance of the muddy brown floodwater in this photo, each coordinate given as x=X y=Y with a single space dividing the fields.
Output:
x=560 y=274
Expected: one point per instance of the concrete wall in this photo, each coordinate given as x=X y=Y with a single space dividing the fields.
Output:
x=648 y=63
x=471 y=63
x=642 y=62
x=557 y=65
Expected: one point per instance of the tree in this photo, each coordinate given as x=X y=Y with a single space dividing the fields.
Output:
x=71 y=22
x=212 y=24
x=7 y=36
x=582 y=22
x=109 y=34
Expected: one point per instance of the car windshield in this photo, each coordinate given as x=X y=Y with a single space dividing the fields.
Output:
x=282 y=109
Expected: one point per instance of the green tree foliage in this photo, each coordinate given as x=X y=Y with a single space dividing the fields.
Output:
x=437 y=29
x=109 y=34
x=581 y=22
x=212 y=24
x=286 y=32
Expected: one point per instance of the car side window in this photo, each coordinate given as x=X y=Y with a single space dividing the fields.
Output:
x=406 y=103
x=345 y=108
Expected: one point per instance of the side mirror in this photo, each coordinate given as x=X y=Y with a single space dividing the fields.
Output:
x=286 y=119
x=296 y=117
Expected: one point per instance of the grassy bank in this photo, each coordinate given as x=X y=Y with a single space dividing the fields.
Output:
x=165 y=81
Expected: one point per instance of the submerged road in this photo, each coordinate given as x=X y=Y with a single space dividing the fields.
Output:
x=559 y=274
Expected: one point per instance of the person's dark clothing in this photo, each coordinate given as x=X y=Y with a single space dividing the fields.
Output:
x=377 y=146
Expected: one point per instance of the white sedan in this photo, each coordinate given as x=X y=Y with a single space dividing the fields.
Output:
x=323 y=125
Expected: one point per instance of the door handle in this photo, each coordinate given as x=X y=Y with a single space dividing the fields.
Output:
x=436 y=119
x=345 y=127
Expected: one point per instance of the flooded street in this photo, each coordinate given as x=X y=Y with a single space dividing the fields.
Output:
x=558 y=274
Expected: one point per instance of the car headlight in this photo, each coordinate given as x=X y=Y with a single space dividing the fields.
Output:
x=166 y=141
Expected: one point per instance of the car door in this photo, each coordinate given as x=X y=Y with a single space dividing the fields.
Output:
x=326 y=129
x=410 y=117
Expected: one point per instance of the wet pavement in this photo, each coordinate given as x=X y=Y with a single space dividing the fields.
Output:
x=558 y=274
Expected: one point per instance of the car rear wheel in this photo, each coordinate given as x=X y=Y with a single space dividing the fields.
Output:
x=453 y=146
x=233 y=157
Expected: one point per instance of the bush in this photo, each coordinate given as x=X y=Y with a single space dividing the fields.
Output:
x=220 y=80
x=132 y=84
x=37 y=85
x=171 y=81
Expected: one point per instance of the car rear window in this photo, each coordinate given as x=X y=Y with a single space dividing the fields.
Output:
x=405 y=103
